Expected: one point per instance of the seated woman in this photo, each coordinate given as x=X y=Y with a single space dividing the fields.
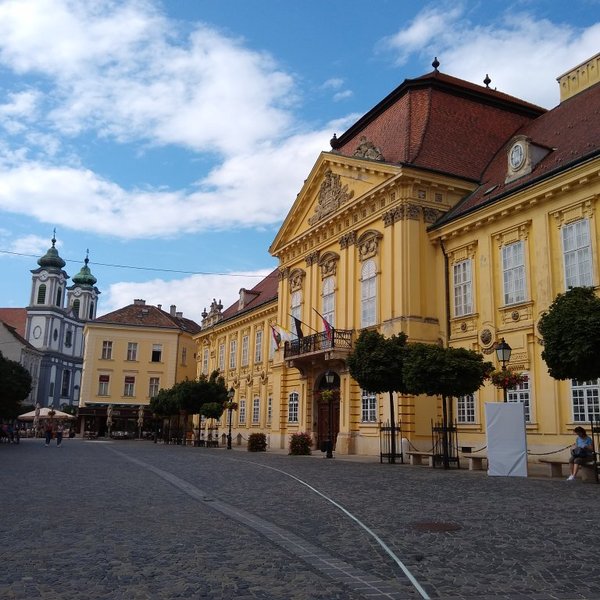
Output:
x=581 y=453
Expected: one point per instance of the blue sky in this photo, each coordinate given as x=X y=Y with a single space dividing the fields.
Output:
x=171 y=138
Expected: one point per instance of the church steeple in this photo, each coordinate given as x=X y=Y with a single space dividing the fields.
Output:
x=82 y=296
x=52 y=259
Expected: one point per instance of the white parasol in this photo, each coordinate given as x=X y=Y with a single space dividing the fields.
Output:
x=44 y=413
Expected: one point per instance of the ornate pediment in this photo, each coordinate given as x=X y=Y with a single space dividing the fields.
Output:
x=367 y=149
x=332 y=195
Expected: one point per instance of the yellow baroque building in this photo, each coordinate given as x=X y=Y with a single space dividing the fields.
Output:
x=450 y=211
x=130 y=354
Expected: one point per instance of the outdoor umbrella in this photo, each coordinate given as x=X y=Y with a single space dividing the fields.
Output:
x=44 y=414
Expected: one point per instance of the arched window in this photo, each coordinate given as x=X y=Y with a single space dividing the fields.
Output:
x=91 y=315
x=41 y=299
x=59 y=297
x=368 y=294
x=295 y=310
x=76 y=304
x=329 y=300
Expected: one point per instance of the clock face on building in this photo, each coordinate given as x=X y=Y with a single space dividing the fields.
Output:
x=37 y=331
x=517 y=156
x=77 y=292
x=43 y=276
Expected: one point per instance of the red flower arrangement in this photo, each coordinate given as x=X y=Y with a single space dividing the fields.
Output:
x=507 y=379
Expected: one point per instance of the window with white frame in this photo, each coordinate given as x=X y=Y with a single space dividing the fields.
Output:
x=258 y=350
x=232 y=354
x=256 y=410
x=153 y=387
x=106 y=350
x=293 y=407
x=521 y=394
x=242 y=411
x=463 y=304
x=328 y=300
x=368 y=294
x=577 y=253
x=295 y=310
x=513 y=269
x=221 y=364
x=245 y=345
x=585 y=396
x=156 y=352
x=103 y=383
x=132 y=349
x=205 y=355
x=269 y=409
x=369 y=406
x=129 y=387
x=465 y=409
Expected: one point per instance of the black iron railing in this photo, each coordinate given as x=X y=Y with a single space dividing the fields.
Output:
x=318 y=342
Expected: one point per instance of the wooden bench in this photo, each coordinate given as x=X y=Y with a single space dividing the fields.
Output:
x=416 y=458
x=556 y=468
x=476 y=461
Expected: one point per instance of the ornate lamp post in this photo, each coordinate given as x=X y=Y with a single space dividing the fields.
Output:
x=230 y=396
x=329 y=378
x=503 y=352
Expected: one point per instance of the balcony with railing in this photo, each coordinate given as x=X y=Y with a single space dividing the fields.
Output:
x=338 y=341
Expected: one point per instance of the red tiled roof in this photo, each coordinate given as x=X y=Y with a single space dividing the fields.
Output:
x=441 y=123
x=16 y=317
x=263 y=292
x=571 y=132
x=145 y=315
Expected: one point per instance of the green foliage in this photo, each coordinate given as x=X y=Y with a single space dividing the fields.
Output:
x=450 y=372
x=571 y=332
x=15 y=385
x=164 y=404
x=211 y=410
x=257 y=442
x=376 y=362
x=300 y=444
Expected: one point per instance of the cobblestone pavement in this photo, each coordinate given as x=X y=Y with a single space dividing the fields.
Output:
x=136 y=520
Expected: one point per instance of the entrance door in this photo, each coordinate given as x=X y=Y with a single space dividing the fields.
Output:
x=323 y=422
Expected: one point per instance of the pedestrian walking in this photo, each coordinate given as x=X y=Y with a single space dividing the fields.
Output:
x=48 y=430
x=59 y=434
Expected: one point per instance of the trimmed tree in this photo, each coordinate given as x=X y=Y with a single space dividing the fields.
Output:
x=15 y=385
x=571 y=332
x=447 y=372
x=376 y=365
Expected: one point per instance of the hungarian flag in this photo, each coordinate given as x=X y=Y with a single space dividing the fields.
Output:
x=276 y=336
x=328 y=329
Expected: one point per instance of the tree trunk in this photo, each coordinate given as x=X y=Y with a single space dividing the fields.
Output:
x=392 y=429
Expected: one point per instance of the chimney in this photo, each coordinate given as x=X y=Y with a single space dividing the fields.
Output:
x=159 y=306
x=173 y=309
x=179 y=315
x=139 y=302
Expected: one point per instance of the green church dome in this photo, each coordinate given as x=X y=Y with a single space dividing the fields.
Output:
x=51 y=258
x=84 y=277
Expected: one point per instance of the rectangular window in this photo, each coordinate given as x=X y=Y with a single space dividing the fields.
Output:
x=66 y=383
x=269 y=409
x=256 y=410
x=245 y=344
x=368 y=294
x=369 y=407
x=329 y=300
x=232 y=354
x=521 y=394
x=242 y=412
x=586 y=403
x=129 y=388
x=184 y=357
x=513 y=268
x=106 y=350
x=205 y=355
x=132 y=348
x=221 y=364
x=462 y=289
x=156 y=352
x=577 y=253
x=153 y=387
x=293 y=406
x=103 y=382
x=295 y=312
x=258 y=350
x=465 y=409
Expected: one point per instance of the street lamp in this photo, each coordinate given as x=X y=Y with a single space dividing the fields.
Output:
x=329 y=377
x=230 y=395
x=503 y=352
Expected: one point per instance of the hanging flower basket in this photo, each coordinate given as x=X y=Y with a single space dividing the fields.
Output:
x=327 y=395
x=507 y=379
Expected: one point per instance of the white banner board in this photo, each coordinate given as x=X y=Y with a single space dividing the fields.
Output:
x=506 y=439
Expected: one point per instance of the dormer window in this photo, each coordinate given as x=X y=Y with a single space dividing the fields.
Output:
x=522 y=157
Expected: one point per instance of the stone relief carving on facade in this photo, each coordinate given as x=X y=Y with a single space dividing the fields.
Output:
x=393 y=215
x=413 y=211
x=328 y=264
x=348 y=239
x=431 y=215
x=312 y=258
x=368 y=244
x=331 y=196
x=367 y=149
x=296 y=278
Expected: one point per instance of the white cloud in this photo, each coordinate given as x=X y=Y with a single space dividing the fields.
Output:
x=523 y=55
x=188 y=294
x=335 y=83
x=342 y=95
x=30 y=244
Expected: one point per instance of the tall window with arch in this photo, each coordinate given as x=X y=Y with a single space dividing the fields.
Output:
x=75 y=307
x=41 y=297
x=59 y=297
x=295 y=310
x=368 y=294
x=328 y=300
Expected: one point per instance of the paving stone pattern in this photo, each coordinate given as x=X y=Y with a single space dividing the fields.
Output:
x=137 y=520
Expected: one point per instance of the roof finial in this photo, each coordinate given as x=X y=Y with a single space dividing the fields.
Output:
x=435 y=64
x=87 y=256
x=487 y=81
x=333 y=142
x=53 y=237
